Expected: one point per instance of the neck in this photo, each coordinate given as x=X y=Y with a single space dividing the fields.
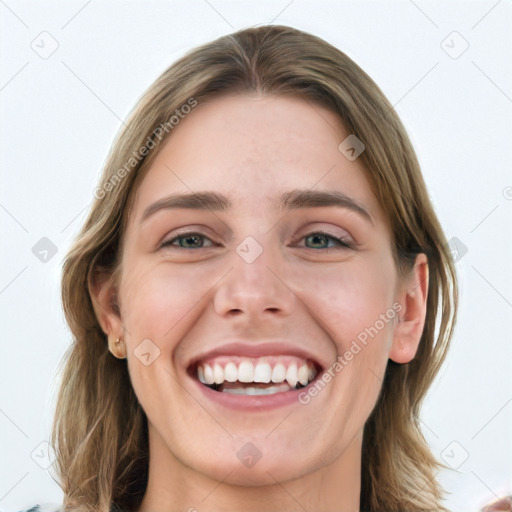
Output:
x=174 y=487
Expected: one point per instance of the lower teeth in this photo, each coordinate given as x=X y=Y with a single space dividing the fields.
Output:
x=258 y=391
x=254 y=390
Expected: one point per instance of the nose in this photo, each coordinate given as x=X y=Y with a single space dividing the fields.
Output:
x=254 y=288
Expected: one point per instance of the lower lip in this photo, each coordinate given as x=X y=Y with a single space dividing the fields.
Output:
x=254 y=402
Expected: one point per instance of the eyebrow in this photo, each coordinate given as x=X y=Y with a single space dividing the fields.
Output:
x=293 y=200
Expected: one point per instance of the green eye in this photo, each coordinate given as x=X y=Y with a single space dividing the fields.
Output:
x=319 y=237
x=195 y=240
x=190 y=241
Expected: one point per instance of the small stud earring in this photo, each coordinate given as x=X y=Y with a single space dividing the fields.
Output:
x=116 y=349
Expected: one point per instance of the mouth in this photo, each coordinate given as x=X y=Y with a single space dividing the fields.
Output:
x=267 y=375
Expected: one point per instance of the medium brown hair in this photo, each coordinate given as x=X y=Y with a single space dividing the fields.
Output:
x=100 y=430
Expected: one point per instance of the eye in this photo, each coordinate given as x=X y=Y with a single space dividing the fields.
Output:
x=195 y=240
x=190 y=241
x=320 y=237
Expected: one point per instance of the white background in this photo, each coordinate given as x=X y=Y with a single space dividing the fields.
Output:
x=59 y=117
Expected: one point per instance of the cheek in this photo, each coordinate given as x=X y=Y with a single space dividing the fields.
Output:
x=160 y=306
x=351 y=299
x=158 y=303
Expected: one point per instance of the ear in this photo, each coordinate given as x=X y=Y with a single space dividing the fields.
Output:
x=103 y=294
x=411 y=320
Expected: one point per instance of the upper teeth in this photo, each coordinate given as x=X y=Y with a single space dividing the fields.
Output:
x=264 y=369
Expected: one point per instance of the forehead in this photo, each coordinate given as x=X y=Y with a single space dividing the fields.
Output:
x=254 y=149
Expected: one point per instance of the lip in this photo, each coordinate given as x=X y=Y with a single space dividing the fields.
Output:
x=255 y=403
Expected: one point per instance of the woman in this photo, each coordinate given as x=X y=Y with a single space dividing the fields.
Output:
x=255 y=294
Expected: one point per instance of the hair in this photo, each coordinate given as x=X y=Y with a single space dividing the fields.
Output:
x=100 y=431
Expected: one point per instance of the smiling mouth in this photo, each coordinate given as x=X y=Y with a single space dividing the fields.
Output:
x=255 y=376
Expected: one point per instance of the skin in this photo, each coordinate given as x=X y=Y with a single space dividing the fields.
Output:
x=315 y=294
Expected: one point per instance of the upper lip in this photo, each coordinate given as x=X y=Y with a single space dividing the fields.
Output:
x=258 y=349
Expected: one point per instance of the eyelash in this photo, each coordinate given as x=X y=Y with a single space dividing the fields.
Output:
x=342 y=244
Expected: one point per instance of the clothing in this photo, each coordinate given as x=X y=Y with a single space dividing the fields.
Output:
x=58 y=508
x=44 y=508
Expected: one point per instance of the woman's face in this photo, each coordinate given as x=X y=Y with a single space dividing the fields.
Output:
x=240 y=286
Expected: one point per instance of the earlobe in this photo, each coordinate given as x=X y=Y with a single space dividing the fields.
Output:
x=409 y=328
x=403 y=348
